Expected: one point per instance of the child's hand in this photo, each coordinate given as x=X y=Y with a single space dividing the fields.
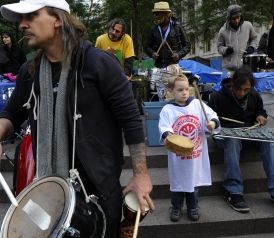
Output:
x=211 y=125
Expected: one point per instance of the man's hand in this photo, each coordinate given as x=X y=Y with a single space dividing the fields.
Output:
x=229 y=50
x=175 y=56
x=140 y=183
x=109 y=49
x=250 y=50
x=155 y=55
x=262 y=120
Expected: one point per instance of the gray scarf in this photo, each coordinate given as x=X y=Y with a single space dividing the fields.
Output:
x=52 y=128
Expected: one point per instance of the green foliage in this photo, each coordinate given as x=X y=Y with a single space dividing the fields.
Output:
x=207 y=18
x=202 y=20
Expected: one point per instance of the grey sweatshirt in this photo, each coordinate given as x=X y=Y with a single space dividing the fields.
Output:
x=239 y=40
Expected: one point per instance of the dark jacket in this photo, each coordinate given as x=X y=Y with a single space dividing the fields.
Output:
x=178 y=41
x=266 y=43
x=16 y=57
x=107 y=106
x=225 y=105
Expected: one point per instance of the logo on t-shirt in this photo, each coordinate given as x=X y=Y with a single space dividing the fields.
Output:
x=190 y=126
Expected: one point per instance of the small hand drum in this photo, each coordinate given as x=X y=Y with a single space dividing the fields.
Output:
x=130 y=207
x=180 y=145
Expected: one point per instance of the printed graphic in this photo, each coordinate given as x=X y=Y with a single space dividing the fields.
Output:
x=190 y=126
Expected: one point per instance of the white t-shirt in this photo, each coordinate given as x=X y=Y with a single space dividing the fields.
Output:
x=188 y=172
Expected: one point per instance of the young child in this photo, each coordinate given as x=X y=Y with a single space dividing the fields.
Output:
x=184 y=116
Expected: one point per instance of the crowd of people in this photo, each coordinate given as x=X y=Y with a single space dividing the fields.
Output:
x=82 y=91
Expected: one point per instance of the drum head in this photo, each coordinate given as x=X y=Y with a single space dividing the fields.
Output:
x=132 y=203
x=43 y=207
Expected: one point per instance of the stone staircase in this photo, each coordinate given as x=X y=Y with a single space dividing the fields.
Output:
x=217 y=218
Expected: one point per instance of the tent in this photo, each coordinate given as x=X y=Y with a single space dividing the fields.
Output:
x=206 y=73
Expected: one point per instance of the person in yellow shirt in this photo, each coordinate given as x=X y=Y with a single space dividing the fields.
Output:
x=119 y=43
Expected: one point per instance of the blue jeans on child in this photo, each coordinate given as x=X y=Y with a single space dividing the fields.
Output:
x=177 y=199
x=233 y=182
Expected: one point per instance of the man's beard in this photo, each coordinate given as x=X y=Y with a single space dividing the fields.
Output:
x=112 y=37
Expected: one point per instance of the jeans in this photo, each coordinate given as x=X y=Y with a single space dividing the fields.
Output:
x=177 y=199
x=233 y=181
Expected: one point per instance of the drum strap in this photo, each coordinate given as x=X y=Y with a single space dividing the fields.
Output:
x=73 y=172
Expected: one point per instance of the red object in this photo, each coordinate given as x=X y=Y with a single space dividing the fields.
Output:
x=26 y=164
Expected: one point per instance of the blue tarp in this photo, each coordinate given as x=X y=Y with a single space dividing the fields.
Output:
x=264 y=80
x=207 y=74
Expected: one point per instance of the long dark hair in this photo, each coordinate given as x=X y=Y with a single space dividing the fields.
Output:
x=241 y=76
x=115 y=21
x=13 y=41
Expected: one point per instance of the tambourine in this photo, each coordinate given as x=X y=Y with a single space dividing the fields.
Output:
x=180 y=145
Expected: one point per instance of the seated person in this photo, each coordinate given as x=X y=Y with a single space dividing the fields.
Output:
x=238 y=100
x=12 y=53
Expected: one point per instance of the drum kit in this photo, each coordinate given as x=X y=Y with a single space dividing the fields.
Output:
x=159 y=78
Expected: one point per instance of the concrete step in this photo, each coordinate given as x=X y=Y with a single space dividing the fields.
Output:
x=253 y=174
x=157 y=156
x=217 y=219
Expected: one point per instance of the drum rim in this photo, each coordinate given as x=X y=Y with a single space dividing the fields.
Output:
x=254 y=55
x=130 y=194
x=69 y=207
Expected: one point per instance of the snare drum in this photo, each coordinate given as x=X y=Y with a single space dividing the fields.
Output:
x=255 y=61
x=50 y=207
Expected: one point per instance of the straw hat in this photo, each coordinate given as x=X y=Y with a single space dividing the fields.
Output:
x=161 y=7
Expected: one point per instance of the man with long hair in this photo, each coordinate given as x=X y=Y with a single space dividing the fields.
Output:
x=239 y=100
x=72 y=90
x=119 y=43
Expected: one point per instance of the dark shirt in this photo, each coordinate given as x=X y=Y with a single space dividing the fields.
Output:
x=16 y=57
x=177 y=40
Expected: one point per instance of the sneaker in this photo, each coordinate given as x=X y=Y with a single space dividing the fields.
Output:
x=193 y=214
x=237 y=202
x=175 y=214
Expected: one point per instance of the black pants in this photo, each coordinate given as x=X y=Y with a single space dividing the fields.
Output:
x=177 y=199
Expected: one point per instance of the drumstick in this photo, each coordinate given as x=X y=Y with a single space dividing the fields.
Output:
x=252 y=127
x=232 y=120
x=160 y=47
x=8 y=191
x=136 y=226
x=169 y=48
x=21 y=39
x=200 y=100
